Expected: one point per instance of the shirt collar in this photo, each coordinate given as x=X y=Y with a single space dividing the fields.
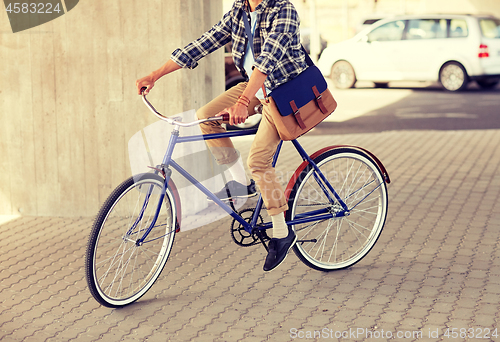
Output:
x=262 y=5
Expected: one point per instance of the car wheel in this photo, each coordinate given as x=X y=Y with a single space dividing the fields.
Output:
x=487 y=84
x=381 y=84
x=453 y=76
x=343 y=75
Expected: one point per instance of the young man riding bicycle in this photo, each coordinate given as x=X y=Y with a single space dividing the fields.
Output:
x=279 y=57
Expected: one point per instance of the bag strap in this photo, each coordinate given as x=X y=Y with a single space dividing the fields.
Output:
x=248 y=32
x=319 y=100
x=296 y=114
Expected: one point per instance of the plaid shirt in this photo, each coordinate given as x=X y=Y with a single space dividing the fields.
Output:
x=277 y=47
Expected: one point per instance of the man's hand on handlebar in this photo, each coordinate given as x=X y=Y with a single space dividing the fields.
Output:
x=237 y=114
x=145 y=82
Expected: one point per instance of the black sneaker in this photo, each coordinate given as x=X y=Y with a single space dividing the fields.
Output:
x=234 y=189
x=278 y=250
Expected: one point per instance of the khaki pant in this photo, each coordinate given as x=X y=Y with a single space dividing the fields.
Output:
x=261 y=153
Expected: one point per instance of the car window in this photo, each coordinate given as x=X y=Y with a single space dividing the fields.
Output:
x=490 y=28
x=387 y=32
x=426 y=29
x=370 y=21
x=458 y=28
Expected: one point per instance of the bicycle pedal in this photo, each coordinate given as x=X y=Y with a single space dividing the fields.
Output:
x=304 y=241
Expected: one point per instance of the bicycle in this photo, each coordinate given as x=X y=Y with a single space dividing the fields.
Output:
x=133 y=233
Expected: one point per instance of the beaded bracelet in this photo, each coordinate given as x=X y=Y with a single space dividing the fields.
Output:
x=243 y=100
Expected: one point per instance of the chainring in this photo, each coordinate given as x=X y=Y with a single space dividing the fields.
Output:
x=241 y=236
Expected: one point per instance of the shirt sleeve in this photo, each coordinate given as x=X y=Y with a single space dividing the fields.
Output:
x=285 y=26
x=215 y=38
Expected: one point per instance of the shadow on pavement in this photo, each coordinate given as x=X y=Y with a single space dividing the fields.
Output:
x=427 y=108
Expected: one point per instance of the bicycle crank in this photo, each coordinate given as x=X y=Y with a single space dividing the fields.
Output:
x=241 y=236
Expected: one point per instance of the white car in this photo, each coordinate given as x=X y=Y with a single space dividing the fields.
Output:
x=451 y=49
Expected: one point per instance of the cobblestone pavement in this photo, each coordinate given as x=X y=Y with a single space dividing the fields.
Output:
x=435 y=267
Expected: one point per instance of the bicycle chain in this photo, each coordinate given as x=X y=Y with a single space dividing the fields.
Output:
x=242 y=238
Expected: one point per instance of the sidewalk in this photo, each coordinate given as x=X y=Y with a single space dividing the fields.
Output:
x=436 y=265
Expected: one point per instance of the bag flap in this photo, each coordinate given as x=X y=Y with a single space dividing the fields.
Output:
x=299 y=90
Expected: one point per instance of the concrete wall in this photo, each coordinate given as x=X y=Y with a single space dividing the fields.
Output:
x=68 y=103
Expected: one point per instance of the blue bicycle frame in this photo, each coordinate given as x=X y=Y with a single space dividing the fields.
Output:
x=315 y=215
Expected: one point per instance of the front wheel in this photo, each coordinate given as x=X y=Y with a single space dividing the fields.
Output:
x=453 y=77
x=338 y=242
x=119 y=268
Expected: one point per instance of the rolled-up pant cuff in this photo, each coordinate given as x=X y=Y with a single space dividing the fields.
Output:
x=276 y=211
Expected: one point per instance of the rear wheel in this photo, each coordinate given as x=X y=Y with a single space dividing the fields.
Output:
x=338 y=242
x=453 y=76
x=343 y=75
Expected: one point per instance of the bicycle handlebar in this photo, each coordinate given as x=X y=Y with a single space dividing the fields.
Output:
x=176 y=120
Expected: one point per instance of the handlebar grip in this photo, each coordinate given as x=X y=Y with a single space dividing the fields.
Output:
x=225 y=117
x=143 y=89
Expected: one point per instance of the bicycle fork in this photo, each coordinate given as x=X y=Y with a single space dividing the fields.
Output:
x=166 y=173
